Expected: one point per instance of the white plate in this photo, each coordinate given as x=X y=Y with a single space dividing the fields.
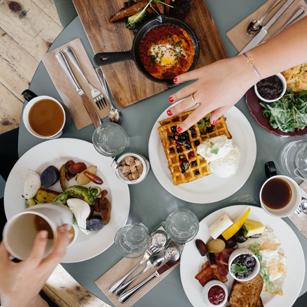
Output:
x=191 y=260
x=210 y=188
x=56 y=152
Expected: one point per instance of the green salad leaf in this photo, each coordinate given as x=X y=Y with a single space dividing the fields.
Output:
x=288 y=113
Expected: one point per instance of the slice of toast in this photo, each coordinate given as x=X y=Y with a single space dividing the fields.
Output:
x=246 y=294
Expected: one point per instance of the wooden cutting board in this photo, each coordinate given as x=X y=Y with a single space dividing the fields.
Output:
x=127 y=83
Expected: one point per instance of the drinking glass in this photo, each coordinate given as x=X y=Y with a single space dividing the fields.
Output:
x=132 y=239
x=181 y=225
x=110 y=139
x=293 y=159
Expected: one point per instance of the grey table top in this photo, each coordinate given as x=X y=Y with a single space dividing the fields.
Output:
x=150 y=203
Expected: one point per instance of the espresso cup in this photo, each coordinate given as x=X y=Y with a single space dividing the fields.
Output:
x=20 y=231
x=33 y=100
x=291 y=204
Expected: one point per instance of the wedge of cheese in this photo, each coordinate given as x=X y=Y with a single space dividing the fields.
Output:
x=221 y=224
x=253 y=228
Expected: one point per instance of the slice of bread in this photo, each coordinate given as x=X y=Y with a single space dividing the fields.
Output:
x=246 y=294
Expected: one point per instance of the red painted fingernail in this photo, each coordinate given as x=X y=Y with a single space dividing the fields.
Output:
x=175 y=80
x=169 y=112
x=171 y=99
x=179 y=129
x=214 y=122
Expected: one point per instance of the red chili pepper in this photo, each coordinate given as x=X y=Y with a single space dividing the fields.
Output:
x=94 y=178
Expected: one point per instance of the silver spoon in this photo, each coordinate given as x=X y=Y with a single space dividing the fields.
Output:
x=172 y=254
x=256 y=24
x=302 y=208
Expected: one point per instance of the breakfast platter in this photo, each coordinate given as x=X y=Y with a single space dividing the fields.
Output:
x=192 y=184
x=70 y=172
x=271 y=240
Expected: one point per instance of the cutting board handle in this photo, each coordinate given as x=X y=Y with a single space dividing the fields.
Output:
x=104 y=58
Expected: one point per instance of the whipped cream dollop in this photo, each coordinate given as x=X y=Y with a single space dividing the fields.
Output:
x=222 y=155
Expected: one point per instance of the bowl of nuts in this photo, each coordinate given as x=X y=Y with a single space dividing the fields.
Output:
x=132 y=168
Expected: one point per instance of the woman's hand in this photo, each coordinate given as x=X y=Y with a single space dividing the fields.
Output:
x=216 y=88
x=21 y=282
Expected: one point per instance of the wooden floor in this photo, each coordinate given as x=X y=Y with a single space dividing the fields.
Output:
x=27 y=28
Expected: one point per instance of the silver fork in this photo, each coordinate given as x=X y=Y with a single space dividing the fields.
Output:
x=97 y=96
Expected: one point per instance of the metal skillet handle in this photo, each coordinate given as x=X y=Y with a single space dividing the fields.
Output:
x=104 y=58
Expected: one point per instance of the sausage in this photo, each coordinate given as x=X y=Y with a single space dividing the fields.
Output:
x=129 y=11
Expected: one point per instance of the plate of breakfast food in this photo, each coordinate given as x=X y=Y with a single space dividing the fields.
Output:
x=244 y=257
x=286 y=116
x=70 y=172
x=206 y=163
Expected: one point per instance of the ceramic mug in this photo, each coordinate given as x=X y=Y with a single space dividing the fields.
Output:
x=297 y=194
x=33 y=99
x=20 y=231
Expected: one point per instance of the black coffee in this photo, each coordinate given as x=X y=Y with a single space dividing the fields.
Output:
x=276 y=194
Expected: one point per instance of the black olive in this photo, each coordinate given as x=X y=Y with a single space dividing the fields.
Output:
x=239 y=236
x=209 y=129
x=250 y=262
x=174 y=129
x=49 y=176
x=231 y=243
x=196 y=143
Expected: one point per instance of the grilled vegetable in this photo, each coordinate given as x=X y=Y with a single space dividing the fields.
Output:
x=63 y=175
x=82 y=179
x=92 y=177
x=94 y=224
x=103 y=207
x=49 y=176
x=87 y=194
x=30 y=202
x=76 y=168
x=46 y=196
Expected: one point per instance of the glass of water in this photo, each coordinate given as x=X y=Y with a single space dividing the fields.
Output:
x=132 y=239
x=181 y=225
x=110 y=139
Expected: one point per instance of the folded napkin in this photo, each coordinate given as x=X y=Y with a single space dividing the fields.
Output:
x=238 y=35
x=119 y=270
x=69 y=96
x=300 y=221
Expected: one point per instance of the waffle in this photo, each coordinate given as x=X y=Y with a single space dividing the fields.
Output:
x=181 y=149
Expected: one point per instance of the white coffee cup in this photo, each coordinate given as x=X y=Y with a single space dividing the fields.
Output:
x=297 y=193
x=20 y=231
x=26 y=112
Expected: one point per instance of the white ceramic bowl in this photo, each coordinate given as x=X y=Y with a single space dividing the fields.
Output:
x=206 y=289
x=145 y=163
x=284 y=83
x=25 y=117
x=243 y=251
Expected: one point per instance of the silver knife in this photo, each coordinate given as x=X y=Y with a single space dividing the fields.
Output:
x=127 y=294
x=88 y=105
x=264 y=30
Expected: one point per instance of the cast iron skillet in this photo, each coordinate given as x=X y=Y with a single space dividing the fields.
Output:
x=104 y=58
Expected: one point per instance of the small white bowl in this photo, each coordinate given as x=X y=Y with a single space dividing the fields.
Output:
x=206 y=289
x=284 y=83
x=26 y=112
x=144 y=161
x=239 y=252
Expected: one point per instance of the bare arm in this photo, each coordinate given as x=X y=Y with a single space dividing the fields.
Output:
x=220 y=85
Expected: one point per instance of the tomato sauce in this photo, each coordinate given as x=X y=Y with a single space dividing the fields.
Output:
x=166 y=51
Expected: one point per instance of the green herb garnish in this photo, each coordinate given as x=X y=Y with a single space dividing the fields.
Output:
x=214 y=150
x=237 y=268
x=288 y=113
